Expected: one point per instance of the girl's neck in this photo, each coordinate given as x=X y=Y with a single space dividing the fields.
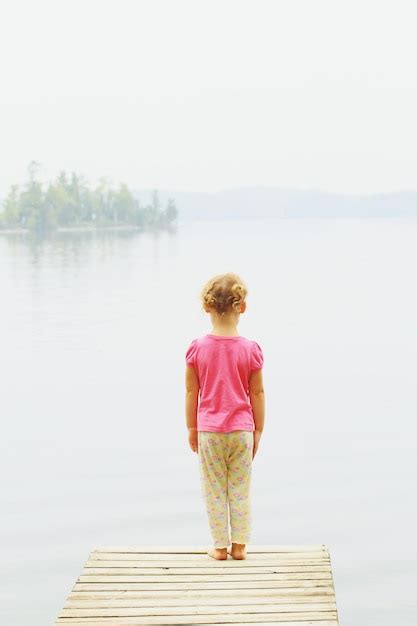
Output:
x=225 y=325
x=222 y=331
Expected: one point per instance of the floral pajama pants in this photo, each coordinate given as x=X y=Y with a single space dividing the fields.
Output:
x=225 y=461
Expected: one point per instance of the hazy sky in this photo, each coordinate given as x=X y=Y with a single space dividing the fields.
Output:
x=194 y=95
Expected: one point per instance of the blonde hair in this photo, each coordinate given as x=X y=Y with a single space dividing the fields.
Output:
x=224 y=293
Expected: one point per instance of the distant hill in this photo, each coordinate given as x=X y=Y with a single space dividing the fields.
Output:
x=267 y=202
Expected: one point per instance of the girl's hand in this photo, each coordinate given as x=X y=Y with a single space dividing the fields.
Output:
x=193 y=439
x=256 y=439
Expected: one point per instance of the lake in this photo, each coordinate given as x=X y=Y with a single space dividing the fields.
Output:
x=94 y=448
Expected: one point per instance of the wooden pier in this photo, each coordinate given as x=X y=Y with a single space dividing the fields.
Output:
x=165 y=585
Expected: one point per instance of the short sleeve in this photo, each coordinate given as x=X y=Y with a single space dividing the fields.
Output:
x=257 y=357
x=191 y=353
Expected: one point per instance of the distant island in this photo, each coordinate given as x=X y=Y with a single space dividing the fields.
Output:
x=70 y=202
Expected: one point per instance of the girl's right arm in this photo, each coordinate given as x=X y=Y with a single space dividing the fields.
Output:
x=192 y=389
x=257 y=400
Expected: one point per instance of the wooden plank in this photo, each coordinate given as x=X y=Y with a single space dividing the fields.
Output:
x=203 y=609
x=203 y=549
x=218 y=584
x=181 y=620
x=203 y=593
x=169 y=571
x=326 y=622
x=229 y=563
x=195 y=558
x=204 y=578
x=164 y=602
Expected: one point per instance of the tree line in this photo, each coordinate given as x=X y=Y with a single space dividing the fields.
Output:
x=71 y=201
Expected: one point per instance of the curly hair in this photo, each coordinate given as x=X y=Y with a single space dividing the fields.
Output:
x=224 y=293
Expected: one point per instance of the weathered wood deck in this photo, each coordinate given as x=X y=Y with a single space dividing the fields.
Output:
x=285 y=585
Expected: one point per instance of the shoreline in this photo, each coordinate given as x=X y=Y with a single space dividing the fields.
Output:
x=65 y=229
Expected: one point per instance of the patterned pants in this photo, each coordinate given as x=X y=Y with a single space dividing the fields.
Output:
x=225 y=461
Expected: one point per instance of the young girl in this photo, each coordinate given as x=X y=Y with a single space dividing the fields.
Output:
x=225 y=409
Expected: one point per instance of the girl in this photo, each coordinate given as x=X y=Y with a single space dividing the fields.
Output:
x=225 y=409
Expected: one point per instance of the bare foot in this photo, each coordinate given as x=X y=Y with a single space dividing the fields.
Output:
x=218 y=553
x=237 y=551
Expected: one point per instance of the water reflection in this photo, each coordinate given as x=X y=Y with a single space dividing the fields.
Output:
x=95 y=327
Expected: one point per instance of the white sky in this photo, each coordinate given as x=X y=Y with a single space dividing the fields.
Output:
x=193 y=95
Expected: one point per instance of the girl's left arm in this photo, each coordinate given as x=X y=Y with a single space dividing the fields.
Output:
x=192 y=388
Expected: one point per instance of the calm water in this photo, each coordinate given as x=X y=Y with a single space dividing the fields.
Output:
x=94 y=450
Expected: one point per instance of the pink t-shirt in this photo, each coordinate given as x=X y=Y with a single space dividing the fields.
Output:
x=223 y=366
